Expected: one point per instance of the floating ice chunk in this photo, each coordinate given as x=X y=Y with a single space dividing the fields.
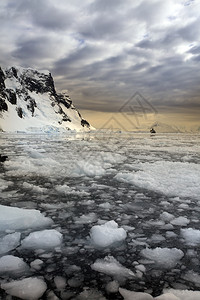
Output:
x=167 y=296
x=84 y=168
x=86 y=219
x=171 y=234
x=166 y=217
x=44 y=239
x=67 y=190
x=112 y=287
x=13 y=266
x=129 y=295
x=107 y=234
x=36 y=264
x=182 y=294
x=4 y=184
x=163 y=257
x=105 y=205
x=31 y=288
x=110 y=266
x=192 y=277
x=19 y=218
x=90 y=294
x=34 y=188
x=180 y=221
x=191 y=236
x=9 y=242
x=60 y=282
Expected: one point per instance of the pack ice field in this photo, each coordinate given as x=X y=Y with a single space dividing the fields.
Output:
x=100 y=216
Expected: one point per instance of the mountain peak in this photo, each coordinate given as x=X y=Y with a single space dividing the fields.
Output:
x=29 y=102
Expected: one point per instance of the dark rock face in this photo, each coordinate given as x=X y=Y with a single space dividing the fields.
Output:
x=11 y=96
x=85 y=123
x=2 y=78
x=65 y=100
x=3 y=105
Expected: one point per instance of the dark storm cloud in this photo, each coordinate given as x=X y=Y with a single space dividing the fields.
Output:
x=104 y=51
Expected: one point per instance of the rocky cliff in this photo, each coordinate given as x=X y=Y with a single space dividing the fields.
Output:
x=29 y=102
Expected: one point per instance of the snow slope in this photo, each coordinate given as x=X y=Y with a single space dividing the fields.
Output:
x=29 y=102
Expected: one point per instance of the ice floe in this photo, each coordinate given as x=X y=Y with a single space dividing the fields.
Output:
x=18 y=218
x=163 y=257
x=107 y=234
x=44 y=239
x=31 y=288
x=110 y=266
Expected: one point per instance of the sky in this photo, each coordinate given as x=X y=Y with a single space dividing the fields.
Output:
x=131 y=62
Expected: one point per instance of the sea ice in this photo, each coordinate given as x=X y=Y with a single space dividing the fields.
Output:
x=182 y=178
x=31 y=288
x=166 y=217
x=191 y=236
x=90 y=294
x=86 y=219
x=60 y=282
x=180 y=221
x=19 y=218
x=9 y=242
x=112 y=287
x=44 y=239
x=85 y=168
x=129 y=295
x=13 y=266
x=163 y=257
x=107 y=234
x=36 y=264
x=182 y=294
x=110 y=266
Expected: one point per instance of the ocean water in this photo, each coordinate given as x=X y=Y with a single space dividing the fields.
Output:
x=148 y=184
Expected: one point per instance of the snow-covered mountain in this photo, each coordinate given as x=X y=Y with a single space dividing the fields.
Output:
x=29 y=102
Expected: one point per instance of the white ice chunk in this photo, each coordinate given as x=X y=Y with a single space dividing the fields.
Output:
x=31 y=288
x=110 y=266
x=163 y=257
x=112 y=287
x=129 y=295
x=44 y=239
x=105 y=205
x=182 y=294
x=180 y=221
x=13 y=266
x=166 y=217
x=36 y=264
x=107 y=234
x=85 y=168
x=192 y=277
x=60 y=282
x=167 y=296
x=19 y=218
x=9 y=242
x=90 y=294
x=86 y=219
x=191 y=236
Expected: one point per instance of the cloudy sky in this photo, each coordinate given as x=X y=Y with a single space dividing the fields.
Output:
x=113 y=56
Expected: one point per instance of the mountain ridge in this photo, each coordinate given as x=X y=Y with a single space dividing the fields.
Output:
x=30 y=102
